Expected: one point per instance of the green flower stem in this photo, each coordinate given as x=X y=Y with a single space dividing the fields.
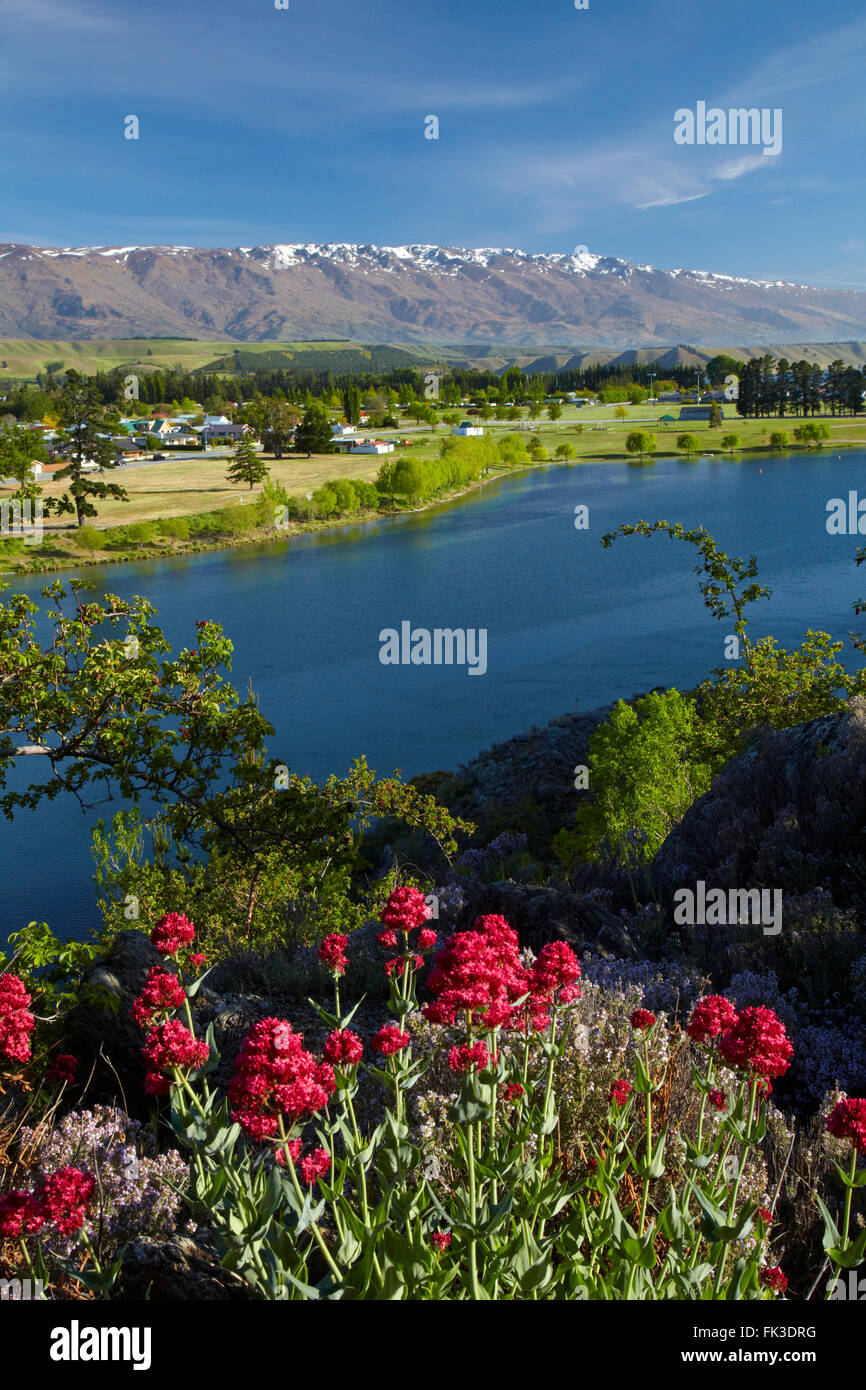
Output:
x=473 y=1213
x=314 y=1225
x=649 y=1141
x=362 y=1178
x=732 y=1204
x=846 y=1222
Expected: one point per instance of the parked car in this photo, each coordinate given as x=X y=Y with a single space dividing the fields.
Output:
x=157 y=457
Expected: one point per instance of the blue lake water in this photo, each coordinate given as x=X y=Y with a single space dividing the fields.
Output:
x=568 y=622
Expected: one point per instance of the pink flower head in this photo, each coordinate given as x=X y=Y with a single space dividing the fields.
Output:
x=332 y=953
x=405 y=910
x=389 y=1040
x=758 y=1043
x=197 y=960
x=718 y=1099
x=63 y=1198
x=620 y=1091
x=773 y=1278
x=20 y=1215
x=397 y=965
x=388 y=937
x=171 y=1046
x=440 y=1240
x=642 y=1019
x=274 y=1075
x=63 y=1068
x=712 y=1015
x=343 y=1049
x=171 y=933
x=16 y=1023
x=162 y=994
x=315 y=1165
x=847 y=1120
x=462 y=1059
x=426 y=939
x=555 y=974
x=479 y=972
x=765 y=1215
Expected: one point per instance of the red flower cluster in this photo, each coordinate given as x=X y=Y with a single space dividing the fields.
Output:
x=343 y=1049
x=389 y=1039
x=765 y=1215
x=20 y=1215
x=758 y=1043
x=479 y=971
x=162 y=994
x=16 y=1024
x=275 y=1075
x=405 y=910
x=512 y=1090
x=197 y=960
x=440 y=1240
x=642 y=1019
x=332 y=953
x=171 y=933
x=773 y=1278
x=315 y=1165
x=426 y=939
x=710 y=1017
x=63 y=1199
x=462 y=1059
x=555 y=974
x=63 y=1068
x=847 y=1120
x=718 y=1099
x=170 y=1046
x=620 y=1091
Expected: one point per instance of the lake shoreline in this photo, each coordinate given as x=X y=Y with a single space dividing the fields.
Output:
x=266 y=537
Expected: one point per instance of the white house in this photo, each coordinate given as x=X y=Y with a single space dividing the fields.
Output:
x=372 y=446
x=342 y=431
x=466 y=427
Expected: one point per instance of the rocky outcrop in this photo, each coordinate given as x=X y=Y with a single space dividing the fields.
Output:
x=789 y=813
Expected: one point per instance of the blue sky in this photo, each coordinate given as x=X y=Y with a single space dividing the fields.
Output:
x=260 y=125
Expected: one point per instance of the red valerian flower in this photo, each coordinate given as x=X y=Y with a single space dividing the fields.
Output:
x=620 y=1091
x=16 y=1023
x=462 y=1059
x=197 y=960
x=332 y=953
x=773 y=1278
x=426 y=939
x=315 y=1165
x=389 y=1039
x=718 y=1099
x=765 y=1215
x=63 y=1198
x=555 y=974
x=171 y=1046
x=405 y=910
x=172 y=932
x=20 y=1215
x=388 y=937
x=440 y=1240
x=478 y=971
x=162 y=994
x=642 y=1019
x=63 y=1068
x=343 y=1049
x=712 y=1015
x=847 y=1120
x=592 y=1165
x=274 y=1076
x=758 y=1043
x=294 y=1147
x=512 y=1090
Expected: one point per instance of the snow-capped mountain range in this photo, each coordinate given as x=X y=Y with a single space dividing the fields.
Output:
x=401 y=294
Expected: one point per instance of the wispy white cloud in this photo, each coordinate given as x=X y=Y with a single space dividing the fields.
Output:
x=59 y=14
